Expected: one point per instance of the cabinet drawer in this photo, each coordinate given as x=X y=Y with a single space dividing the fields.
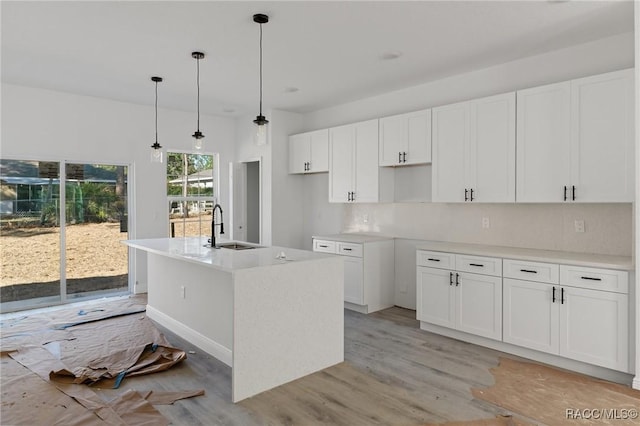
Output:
x=595 y=278
x=435 y=259
x=479 y=265
x=324 y=246
x=349 y=249
x=531 y=271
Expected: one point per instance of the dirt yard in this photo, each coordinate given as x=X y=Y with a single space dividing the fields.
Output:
x=32 y=255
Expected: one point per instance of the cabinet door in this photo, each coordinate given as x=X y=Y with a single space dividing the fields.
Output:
x=392 y=140
x=319 y=148
x=450 y=137
x=531 y=317
x=366 y=162
x=353 y=281
x=600 y=339
x=492 y=149
x=602 y=166
x=543 y=143
x=479 y=305
x=435 y=296
x=298 y=152
x=418 y=137
x=341 y=162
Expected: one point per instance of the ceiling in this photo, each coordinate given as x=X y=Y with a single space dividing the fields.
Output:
x=332 y=52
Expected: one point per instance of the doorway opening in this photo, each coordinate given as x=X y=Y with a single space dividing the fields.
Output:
x=246 y=198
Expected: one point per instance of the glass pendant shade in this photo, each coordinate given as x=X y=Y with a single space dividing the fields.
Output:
x=198 y=136
x=260 y=136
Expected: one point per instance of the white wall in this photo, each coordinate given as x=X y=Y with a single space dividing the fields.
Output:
x=42 y=124
x=545 y=226
x=636 y=380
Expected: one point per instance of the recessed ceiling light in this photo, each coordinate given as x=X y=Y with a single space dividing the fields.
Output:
x=290 y=89
x=229 y=110
x=388 y=56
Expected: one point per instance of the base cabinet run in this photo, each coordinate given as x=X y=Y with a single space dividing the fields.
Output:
x=579 y=313
x=368 y=272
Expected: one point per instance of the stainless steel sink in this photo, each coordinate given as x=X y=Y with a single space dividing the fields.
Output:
x=236 y=246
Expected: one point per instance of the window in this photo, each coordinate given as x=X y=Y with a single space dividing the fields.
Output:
x=191 y=193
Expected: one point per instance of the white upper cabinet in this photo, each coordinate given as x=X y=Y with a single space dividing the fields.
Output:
x=309 y=152
x=575 y=140
x=602 y=166
x=354 y=175
x=474 y=150
x=405 y=139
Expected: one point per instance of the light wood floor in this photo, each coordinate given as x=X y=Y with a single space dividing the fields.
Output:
x=393 y=374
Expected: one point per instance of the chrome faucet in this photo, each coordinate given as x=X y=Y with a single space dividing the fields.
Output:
x=212 y=240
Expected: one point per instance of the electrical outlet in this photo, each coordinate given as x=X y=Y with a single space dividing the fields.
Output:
x=182 y=291
x=485 y=223
x=578 y=225
x=365 y=218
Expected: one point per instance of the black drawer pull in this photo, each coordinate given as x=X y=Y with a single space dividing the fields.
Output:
x=477 y=264
x=346 y=249
x=529 y=271
x=323 y=246
x=434 y=260
x=591 y=278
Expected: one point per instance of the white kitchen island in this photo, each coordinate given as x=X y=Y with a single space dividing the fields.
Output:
x=271 y=320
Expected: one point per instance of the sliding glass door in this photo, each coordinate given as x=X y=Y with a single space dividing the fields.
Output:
x=60 y=230
x=29 y=233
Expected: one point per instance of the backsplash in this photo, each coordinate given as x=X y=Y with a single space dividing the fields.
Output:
x=608 y=227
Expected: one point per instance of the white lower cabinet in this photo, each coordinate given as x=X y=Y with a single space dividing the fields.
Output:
x=369 y=274
x=584 y=324
x=353 y=281
x=464 y=301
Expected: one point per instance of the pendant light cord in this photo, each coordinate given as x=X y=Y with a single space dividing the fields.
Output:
x=260 y=69
x=198 y=83
x=156 y=112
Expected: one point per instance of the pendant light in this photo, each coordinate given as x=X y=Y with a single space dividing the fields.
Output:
x=156 y=148
x=261 y=121
x=197 y=135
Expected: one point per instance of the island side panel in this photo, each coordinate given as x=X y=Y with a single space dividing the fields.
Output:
x=288 y=322
x=204 y=316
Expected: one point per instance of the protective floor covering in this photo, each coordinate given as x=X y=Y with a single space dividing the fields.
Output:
x=556 y=397
x=46 y=357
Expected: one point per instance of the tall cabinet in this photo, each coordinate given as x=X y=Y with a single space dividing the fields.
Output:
x=354 y=175
x=575 y=140
x=474 y=150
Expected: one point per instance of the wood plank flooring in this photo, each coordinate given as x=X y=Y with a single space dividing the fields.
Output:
x=393 y=374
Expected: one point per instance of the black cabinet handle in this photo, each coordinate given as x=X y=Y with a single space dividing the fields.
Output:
x=348 y=196
x=404 y=157
x=471 y=191
x=399 y=157
x=529 y=271
x=353 y=196
x=573 y=192
x=562 y=296
x=457 y=279
x=466 y=197
x=477 y=264
x=553 y=295
x=346 y=249
x=320 y=245
x=565 y=193
x=434 y=260
x=450 y=278
x=591 y=278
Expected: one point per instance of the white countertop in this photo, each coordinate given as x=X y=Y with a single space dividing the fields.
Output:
x=536 y=255
x=353 y=238
x=193 y=250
